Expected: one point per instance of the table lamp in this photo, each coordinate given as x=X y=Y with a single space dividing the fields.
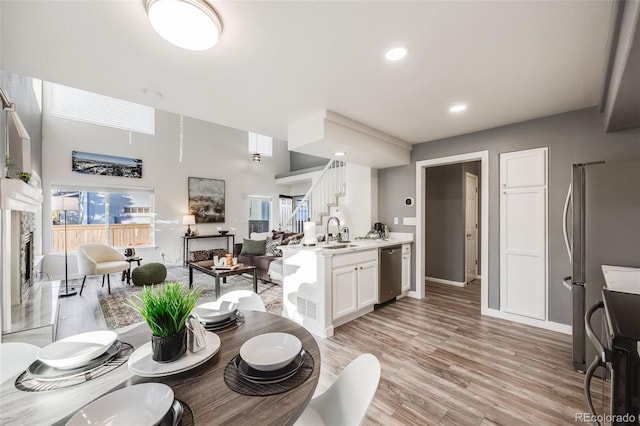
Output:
x=188 y=220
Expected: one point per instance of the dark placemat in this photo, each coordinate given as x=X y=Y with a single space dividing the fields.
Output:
x=187 y=415
x=185 y=420
x=238 y=384
x=28 y=383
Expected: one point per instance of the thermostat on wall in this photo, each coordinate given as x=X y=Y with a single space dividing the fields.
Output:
x=408 y=201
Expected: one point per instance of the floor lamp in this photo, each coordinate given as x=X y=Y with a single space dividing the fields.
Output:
x=65 y=204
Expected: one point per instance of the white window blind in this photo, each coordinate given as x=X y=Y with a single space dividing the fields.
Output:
x=260 y=144
x=80 y=105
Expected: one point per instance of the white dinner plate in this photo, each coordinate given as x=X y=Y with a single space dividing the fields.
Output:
x=74 y=351
x=215 y=311
x=141 y=363
x=270 y=351
x=142 y=404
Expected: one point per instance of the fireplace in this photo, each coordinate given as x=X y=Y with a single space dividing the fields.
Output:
x=26 y=265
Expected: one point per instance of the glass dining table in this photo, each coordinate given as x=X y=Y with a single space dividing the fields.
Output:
x=203 y=389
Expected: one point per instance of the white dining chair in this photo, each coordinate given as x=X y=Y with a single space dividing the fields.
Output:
x=346 y=401
x=15 y=357
x=246 y=300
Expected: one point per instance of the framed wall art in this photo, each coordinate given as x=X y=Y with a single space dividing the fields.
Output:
x=206 y=199
x=105 y=165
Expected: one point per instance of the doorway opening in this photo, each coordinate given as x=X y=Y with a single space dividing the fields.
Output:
x=481 y=235
x=259 y=213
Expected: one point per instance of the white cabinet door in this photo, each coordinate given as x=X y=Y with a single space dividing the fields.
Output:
x=523 y=240
x=367 y=284
x=406 y=270
x=523 y=168
x=344 y=290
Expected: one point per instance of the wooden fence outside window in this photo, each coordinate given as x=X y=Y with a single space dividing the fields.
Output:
x=120 y=235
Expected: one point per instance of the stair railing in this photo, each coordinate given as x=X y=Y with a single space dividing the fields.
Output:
x=319 y=199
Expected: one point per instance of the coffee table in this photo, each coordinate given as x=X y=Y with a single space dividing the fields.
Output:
x=223 y=273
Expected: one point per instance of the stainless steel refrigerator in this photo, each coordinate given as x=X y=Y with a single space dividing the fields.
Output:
x=602 y=227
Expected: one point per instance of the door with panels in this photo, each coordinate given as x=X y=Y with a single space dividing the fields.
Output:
x=523 y=233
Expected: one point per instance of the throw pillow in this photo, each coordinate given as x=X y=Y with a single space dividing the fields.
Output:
x=271 y=246
x=293 y=239
x=255 y=247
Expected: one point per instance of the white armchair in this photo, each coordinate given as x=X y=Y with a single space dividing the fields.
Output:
x=98 y=259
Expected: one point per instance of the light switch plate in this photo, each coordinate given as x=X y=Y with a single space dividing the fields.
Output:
x=409 y=221
x=395 y=220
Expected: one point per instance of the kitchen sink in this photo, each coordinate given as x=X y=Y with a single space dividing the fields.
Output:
x=339 y=246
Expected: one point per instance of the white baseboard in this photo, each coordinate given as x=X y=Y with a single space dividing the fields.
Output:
x=548 y=325
x=441 y=281
x=413 y=293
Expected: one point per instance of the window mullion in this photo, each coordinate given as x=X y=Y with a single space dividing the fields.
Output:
x=107 y=218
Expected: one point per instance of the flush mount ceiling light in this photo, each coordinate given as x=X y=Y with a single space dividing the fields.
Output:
x=458 y=108
x=190 y=24
x=396 y=53
x=340 y=154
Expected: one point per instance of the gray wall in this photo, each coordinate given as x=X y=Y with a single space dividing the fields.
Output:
x=444 y=225
x=575 y=136
x=300 y=161
x=20 y=91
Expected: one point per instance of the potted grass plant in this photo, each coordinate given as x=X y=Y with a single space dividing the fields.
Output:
x=24 y=176
x=166 y=308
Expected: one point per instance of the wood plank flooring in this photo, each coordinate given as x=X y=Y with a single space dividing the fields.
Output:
x=442 y=363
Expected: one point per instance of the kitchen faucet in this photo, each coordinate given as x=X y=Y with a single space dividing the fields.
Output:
x=326 y=231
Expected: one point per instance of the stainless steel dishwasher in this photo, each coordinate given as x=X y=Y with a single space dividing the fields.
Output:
x=390 y=278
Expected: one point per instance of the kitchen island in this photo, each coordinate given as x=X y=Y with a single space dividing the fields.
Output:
x=327 y=285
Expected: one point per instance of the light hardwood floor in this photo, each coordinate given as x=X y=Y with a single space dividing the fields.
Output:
x=442 y=363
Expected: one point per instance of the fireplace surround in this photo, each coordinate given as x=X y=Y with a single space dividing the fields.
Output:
x=19 y=203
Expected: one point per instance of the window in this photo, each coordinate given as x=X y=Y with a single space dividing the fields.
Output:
x=116 y=217
x=79 y=105
x=260 y=144
x=259 y=214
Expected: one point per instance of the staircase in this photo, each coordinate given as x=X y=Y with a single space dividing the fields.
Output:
x=321 y=197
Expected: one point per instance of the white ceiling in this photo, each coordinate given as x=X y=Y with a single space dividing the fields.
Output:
x=280 y=61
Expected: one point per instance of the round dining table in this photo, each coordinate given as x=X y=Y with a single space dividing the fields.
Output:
x=202 y=389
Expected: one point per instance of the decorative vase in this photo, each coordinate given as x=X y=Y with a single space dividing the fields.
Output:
x=129 y=252
x=169 y=348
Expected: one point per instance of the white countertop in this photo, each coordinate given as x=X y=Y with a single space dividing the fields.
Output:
x=353 y=245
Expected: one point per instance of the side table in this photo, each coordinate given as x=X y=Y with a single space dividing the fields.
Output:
x=127 y=273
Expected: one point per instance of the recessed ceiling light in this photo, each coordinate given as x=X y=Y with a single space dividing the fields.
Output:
x=340 y=154
x=190 y=24
x=458 y=108
x=396 y=53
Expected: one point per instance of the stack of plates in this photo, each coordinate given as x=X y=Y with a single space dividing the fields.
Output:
x=75 y=354
x=270 y=358
x=146 y=403
x=216 y=315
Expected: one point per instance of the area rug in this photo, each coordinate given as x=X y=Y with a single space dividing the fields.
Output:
x=117 y=313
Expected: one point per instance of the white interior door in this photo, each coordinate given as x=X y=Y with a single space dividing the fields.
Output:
x=523 y=233
x=471 y=227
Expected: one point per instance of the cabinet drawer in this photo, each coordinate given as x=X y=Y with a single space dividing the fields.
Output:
x=353 y=258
